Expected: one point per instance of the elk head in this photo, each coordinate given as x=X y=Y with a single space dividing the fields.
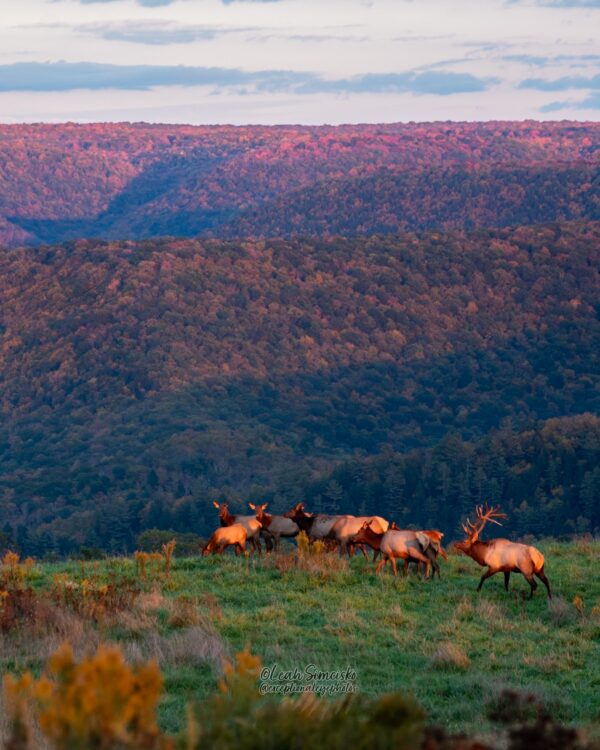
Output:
x=224 y=515
x=366 y=535
x=297 y=512
x=303 y=519
x=262 y=516
x=473 y=530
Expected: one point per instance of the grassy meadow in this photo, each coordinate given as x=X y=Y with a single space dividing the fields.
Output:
x=453 y=648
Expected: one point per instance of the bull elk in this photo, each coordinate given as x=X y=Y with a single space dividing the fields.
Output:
x=250 y=523
x=226 y=536
x=276 y=526
x=501 y=555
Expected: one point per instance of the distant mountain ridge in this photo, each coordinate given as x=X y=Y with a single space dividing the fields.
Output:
x=123 y=181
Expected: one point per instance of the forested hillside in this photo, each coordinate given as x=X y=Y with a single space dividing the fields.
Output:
x=140 y=379
x=60 y=182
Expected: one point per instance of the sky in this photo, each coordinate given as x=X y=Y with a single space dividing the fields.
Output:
x=298 y=61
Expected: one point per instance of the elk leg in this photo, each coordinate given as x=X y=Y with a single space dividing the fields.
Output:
x=381 y=564
x=361 y=547
x=506 y=578
x=488 y=574
x=376 y=554
x=270 y=543
x=532 y=583
x=405 y=571
x=394 y=568
x=542 y=576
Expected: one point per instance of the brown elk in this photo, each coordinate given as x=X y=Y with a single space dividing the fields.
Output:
x=227 y=536
x=276 y=526
x=501 y=555
x=250 y=523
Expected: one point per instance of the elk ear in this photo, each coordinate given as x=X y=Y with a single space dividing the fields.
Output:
x=252 y=506
x=216 y=504
x=264 y=506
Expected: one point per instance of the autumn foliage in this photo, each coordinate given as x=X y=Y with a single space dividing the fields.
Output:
x=61 y=182
x=140 y=379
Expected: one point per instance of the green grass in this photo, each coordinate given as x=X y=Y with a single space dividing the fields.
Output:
x=395 y=632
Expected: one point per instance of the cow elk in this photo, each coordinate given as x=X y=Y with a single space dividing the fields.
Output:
x=409 y=546
x=227 y=536
x=432 y=549
x=396 y=545
x=250 y=523
x=316 y=525
x=275 y=526
x=344 y=530
x=501 y=555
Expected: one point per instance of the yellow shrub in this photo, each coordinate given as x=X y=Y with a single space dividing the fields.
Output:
x=167 y=550
x=100 y=702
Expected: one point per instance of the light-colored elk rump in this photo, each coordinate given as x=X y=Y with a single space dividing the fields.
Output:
x=393 y=545
x=276 y=526
x=432 y=548
x=316 y=525
x=402 y=545
x=345 y=529
x=502 y=555
x=409 y=546
x=226 y=536
x=250 y=523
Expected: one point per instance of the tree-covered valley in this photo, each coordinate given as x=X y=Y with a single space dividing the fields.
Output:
x=411 y=374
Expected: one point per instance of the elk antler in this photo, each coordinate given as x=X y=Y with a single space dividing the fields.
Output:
x=490 y=514
x=472 y=530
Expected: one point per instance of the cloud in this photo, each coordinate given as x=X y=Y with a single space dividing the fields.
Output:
x=438 y=82
x=569 y=3
x=143 y=3
x=590 y=102
x=160 y=33
x=162 y=3
x=65 y=76
x=561 y=84
x=543 y=61
x=157 y=32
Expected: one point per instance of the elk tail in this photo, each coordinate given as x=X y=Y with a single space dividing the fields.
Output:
x=538 y=561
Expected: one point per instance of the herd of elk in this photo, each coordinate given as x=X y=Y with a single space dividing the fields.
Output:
x=348 y=532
